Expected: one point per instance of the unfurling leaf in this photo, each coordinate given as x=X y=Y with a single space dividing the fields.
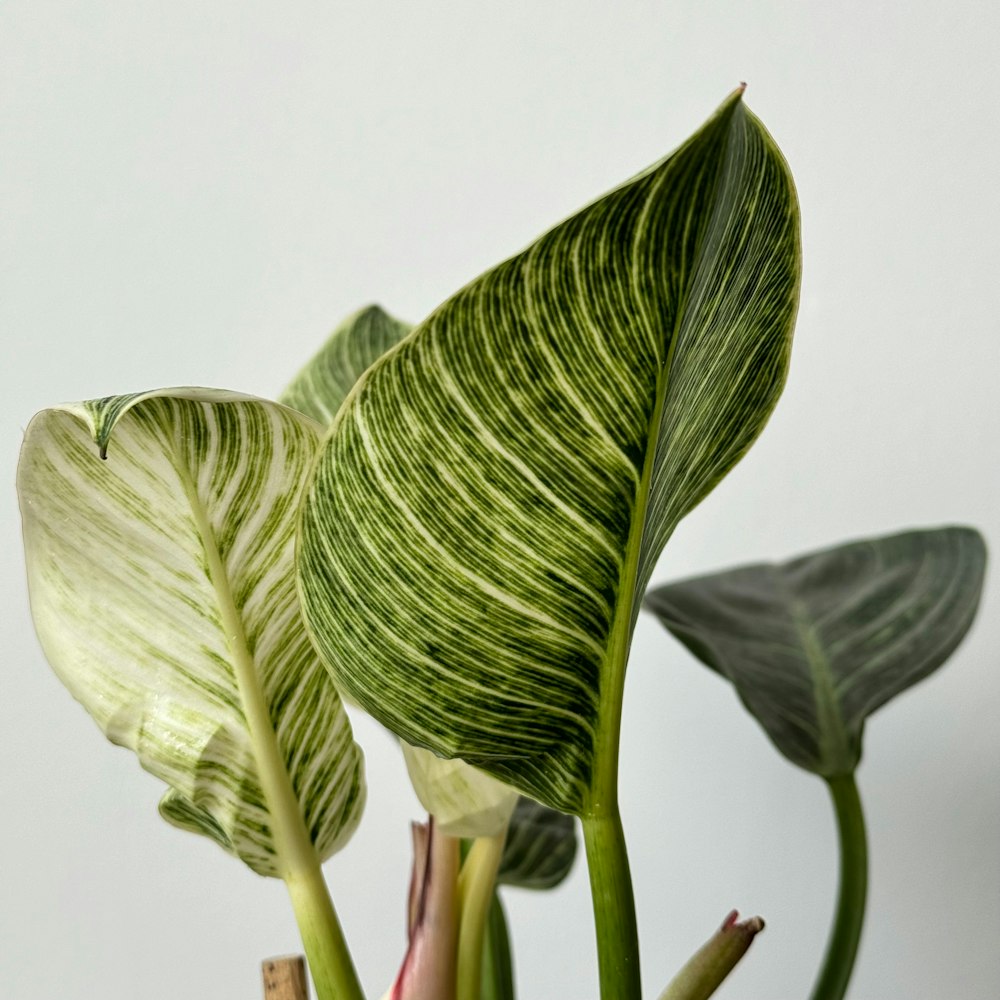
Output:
x=495 y=491
x=464 y=801
x=815 y=645
x=163 y=592
x=428 y=970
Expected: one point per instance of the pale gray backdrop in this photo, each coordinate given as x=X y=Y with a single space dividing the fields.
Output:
x=194 y=193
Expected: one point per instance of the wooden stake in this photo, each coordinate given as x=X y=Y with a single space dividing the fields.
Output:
x=285 y=978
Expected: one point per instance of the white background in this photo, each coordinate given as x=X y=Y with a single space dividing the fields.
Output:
x=194 y=193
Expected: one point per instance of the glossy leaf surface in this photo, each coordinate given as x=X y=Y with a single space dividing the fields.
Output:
x=496 y=490
x=163 y=592
x=815 y=645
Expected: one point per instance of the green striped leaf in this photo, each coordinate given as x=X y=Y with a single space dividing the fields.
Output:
x=540 y=847
x=327 y=379
x=496 y=490
x=815 y=645
x=163 y=592
x=464 y=801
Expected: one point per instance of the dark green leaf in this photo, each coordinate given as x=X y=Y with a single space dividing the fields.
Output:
x=540 y=847
x=815 y=645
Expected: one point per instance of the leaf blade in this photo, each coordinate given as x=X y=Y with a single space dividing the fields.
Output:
x=540 y=847
x=161 y=579
x=327 y=379
x=817 y=644
x=501 y=471
x=464 y=801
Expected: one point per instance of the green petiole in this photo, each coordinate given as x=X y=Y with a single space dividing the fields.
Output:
x=475 y=888
x=842 y=949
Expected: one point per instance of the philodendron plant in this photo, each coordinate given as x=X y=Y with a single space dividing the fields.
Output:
x=452 y=526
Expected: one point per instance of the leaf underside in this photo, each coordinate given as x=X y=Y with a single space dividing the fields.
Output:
x=163 y=592
x=495 y=491
x=464 y=801
x=815 y=645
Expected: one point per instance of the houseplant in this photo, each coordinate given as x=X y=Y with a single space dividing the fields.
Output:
x=463 y=552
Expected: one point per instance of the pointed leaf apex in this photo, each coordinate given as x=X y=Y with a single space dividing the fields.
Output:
x=594 y=387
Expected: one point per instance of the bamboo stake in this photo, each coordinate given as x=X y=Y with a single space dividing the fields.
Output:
x=285 y=978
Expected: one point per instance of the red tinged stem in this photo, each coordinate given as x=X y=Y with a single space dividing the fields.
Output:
x=428 y=971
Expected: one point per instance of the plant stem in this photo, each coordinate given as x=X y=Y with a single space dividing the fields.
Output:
x=614 y=905
x=842 y=948
x=330 y=963
x=322 y=938
x=475 y=887
x=498 y=972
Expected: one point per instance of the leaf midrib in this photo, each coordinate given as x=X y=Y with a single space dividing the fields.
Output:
x=293 y=847
x=602 y=797
x=833 y=750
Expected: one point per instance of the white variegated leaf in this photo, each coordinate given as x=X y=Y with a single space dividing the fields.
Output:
x=464 y=801
x=162 y=589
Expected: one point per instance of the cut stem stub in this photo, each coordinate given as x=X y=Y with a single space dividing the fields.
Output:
x=709 y=965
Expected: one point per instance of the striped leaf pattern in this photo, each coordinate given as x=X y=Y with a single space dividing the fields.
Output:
x=815 y=645
x=495 y=491
x=464 y=801
x=327 y=379
x=163 y=592
x=540 y=847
